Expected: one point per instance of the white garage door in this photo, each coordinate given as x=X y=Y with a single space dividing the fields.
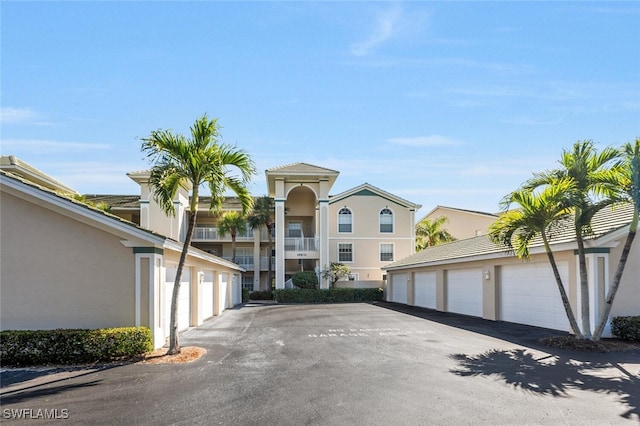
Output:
x=237 y=291
x=184 y=297
x=207 y=295
x=399 y=288
x=529 y=295
x=464 y=292
x=425 y=289
x=223 y=293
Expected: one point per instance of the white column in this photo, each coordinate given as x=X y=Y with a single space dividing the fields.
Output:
x=279 y=242
x=256 y=258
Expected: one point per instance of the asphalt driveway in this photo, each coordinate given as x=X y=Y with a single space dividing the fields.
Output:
x=348 y=364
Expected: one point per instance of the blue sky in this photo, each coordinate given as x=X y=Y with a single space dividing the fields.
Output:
x=441 y=103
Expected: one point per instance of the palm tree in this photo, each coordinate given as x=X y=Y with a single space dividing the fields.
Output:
x=191 y=163
x=595 y=183
x=537 y=215
x=230 y=223
x=631 y=188
x=431 y=233
x=262 y=217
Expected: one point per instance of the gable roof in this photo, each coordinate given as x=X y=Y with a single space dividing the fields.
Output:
x=131 y=233
x=18 y=167
x=299 y=172
x=115 y=201
x=474 y=212
x=302 y=168
x=367 y=189
x=606 y=222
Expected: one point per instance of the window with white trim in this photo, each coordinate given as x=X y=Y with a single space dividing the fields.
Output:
x=345 y=220
x=386 y=221
x=247 y=282
x=386 y=252
x=295 y=229
x=345 y=252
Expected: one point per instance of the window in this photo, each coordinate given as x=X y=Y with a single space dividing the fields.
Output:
x=386 y=220
x=247 y=282
x=295 y=230
x=386 y=252
x=345 y=252
x=244 y=256
x=345 y=220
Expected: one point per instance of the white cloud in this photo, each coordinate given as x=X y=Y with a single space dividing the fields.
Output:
x=42 y=146
x=384 y=30
x=10 y=115
x=432 y=140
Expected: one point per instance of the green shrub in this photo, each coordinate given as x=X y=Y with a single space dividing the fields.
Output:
x=332 y=295
x=305 y=279
x=626 y=328
x=72 y=346
x=245 y=295
x=261 y=295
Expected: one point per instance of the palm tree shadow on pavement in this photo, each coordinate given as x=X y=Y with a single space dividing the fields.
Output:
x=554 y=375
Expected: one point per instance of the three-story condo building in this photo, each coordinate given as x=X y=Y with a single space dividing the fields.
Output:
x=364 y=228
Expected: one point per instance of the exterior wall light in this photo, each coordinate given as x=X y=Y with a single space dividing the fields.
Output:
x=487 y=275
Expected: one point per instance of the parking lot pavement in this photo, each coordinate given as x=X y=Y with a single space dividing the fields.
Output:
x=357 y=364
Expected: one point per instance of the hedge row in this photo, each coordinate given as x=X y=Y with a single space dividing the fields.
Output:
x=332 y=295
x=72 y=346
x=261 y=295
x=626 y=328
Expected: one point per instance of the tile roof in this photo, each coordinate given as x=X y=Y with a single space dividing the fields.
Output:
x=301 y=168
x=467 y=211
x=115 y=201
x=606 y=221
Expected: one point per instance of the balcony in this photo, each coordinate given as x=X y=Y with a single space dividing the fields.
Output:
x=247 y=263
x=211 y=233
x=297 y=248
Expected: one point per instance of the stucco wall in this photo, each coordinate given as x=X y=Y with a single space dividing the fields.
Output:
x=463 y=224
x=366 y=236
x=59 y=273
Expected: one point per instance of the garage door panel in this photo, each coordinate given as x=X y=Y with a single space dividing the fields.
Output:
x=464 y=292
x=399 y=288
x=184 y=297
x=529 y=295
x=425 y=289
x=207 y=294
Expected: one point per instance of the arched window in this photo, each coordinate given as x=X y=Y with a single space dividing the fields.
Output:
x=345 y=220
x=386 y=220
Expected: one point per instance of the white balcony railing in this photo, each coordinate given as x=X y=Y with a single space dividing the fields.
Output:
x=209 y=233
x=301 y=244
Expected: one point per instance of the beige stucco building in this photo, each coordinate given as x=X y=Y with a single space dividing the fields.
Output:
x=476 y=277
x=65 y=264
x=462 y=223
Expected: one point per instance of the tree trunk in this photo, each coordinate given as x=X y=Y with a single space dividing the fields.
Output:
x=613 y=289
x=269 y=258
x=233 y=247
x=563 y=293
x=584 y=287
x=174 y=346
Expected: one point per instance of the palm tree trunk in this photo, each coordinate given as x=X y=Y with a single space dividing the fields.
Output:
x=613 y=289
x=584 y=287
x=233 y=247
x=563 y=293
x=174 y=346
x=269 y=258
